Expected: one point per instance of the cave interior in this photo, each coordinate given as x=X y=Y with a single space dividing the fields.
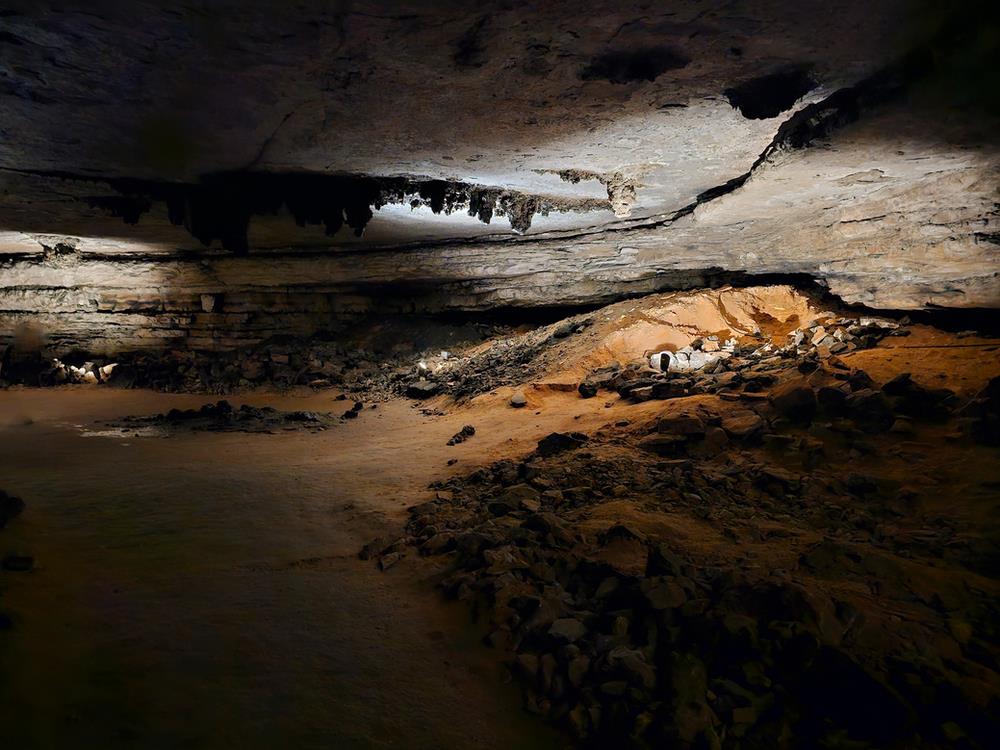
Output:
x=556 y=374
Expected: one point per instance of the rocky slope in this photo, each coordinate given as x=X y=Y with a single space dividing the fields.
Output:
x=795 y=546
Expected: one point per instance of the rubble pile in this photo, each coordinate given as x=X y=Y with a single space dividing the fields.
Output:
x=224 y=417
x=722 y=576
x=708 y=366
x=506 y=361
x=315 y=363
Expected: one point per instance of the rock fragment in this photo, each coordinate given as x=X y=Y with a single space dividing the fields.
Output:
x=462 y=435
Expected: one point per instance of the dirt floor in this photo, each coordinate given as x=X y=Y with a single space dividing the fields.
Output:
x=202 y=589
x=184 y=584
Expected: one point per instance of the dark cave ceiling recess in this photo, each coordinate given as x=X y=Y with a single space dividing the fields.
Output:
x=826 y=138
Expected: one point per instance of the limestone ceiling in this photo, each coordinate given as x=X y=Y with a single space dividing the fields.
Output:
x=497 y=94
x=581 y=116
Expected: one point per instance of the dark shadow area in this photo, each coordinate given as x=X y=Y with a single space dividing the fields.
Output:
x=626 y=66
x=770 y=95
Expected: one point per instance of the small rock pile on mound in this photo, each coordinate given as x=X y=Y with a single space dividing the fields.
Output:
x=506 y=361
x=706 y=366
x=90 y=373
x=223 y=417
x=462 y=435
x=319 y=364
x=725 y=576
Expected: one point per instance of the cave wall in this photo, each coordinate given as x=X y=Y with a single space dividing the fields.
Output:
x=888 y=211
x=654 y=148
x=914 y=232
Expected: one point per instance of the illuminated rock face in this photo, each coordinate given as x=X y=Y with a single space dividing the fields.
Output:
x=194 y=180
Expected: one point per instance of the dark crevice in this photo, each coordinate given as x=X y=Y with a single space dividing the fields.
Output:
x=818 y=120
x=768 y=96
x=469 y=49
x=626 y=66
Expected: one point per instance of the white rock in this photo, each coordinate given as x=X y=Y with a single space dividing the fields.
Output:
x=686 y=360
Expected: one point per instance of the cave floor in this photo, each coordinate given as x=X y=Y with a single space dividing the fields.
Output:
x=184 y=584
x=204 y=589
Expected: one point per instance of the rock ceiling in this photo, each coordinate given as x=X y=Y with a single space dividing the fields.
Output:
x=561 y=152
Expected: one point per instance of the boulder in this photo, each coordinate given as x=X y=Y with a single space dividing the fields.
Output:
x=742 y=425
x=687 y=425
x=913 y=400
x=423 y=389
x=727 y=380
x=557 y=442
x=672 y=388
x=859 y=379
x=518 y=497
x=663 y=593
x=795 y=401
x=462 y=435
x=518 y=400
x=688 y=359
x=642 y=393
x=664 y=445
x=568 y=629
x=633 y=665
x=870 y=410
x=831 y=400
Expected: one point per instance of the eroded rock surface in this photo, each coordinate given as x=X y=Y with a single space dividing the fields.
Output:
x=638 y=148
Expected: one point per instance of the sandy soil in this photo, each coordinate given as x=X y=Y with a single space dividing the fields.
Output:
x=203 y=590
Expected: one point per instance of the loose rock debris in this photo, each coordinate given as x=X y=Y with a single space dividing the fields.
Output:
x=223 y=417
x=462 y=435
x=725 y=575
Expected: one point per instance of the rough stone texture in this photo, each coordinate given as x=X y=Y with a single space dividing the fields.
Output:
x=699 y=138
x=487 y=93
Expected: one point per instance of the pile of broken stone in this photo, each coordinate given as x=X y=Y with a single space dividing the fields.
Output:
x=505 y=362
x=743 y=373
x=625 y=638
x=629 y=638
x=224 y=417
x=708 y=366
x=90 y=373
x=315 y=363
